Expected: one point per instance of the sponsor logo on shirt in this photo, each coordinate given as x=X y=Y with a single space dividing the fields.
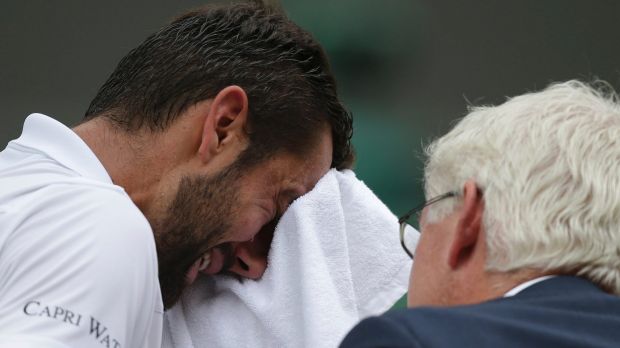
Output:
x=94 y=328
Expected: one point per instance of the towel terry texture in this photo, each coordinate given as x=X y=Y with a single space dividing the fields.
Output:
x=334 y=260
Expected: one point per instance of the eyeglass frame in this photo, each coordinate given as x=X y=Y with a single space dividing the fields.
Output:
x=402 y=221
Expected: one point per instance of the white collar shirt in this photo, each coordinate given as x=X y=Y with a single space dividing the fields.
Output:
x=78 y=264
x=517 y=289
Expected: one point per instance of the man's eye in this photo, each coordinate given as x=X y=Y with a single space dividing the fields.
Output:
x=271 y=226
x=287 y=198
x=284 y=204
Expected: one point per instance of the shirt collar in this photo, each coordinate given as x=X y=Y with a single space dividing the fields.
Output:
x=46 y=135
x=517 y=289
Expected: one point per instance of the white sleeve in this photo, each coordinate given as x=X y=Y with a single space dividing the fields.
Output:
x=81 y=271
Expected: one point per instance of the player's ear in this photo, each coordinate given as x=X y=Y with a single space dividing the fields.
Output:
x=468 y=231
x=224 y=122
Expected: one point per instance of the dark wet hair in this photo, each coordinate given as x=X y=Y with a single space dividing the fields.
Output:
x=282 y=68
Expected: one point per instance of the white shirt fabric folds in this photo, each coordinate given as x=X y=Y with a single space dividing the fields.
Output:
x=78 y=264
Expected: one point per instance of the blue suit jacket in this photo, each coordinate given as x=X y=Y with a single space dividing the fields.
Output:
x=558 y=312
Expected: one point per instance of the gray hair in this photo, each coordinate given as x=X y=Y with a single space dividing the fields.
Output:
x=548 y=164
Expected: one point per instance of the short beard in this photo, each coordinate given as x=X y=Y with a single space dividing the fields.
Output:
x=195 y=221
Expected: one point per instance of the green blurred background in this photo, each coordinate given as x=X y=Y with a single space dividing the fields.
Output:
x=407 y=69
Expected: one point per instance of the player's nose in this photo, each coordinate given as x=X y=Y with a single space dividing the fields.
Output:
x=251 y=256
x=248 y=263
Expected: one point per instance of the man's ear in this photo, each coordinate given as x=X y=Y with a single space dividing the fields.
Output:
x=468 y=233
x=224 y=124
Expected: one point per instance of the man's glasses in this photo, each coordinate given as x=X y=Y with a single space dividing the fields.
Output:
x=407 y=239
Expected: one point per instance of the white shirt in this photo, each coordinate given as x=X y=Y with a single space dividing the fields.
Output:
x=78 y=265
x=517 y=289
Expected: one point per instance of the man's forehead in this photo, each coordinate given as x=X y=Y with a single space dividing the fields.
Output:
x=290 y=171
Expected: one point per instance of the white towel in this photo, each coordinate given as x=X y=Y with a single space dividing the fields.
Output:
x=334 y=260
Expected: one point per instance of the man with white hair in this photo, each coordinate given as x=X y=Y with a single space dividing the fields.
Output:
x=520 y=243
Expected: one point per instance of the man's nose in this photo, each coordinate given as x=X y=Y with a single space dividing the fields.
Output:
x=250 y=260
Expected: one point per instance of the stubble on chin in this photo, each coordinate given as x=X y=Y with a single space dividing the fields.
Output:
x=195 y=221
